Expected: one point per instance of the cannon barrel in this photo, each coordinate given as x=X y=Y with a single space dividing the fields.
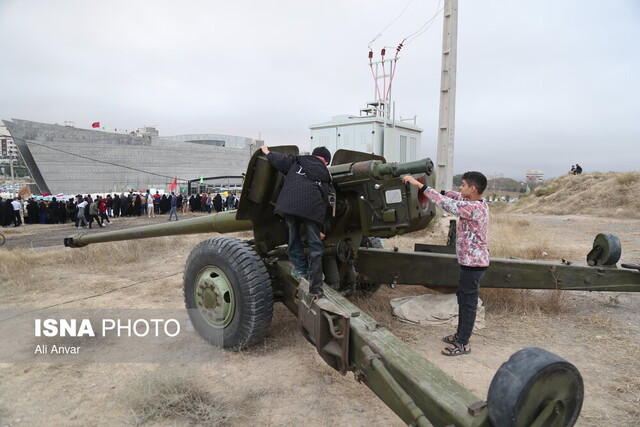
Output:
x=398 y=169
x=350 y=172
x=223 y=222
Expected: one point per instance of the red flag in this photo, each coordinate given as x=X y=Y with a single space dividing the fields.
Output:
x=174 y=184
x=95 y=125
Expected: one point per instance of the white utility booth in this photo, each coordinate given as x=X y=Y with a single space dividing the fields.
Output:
x=396 y=141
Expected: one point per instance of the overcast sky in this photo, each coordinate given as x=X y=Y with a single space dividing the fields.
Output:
x=541 y=84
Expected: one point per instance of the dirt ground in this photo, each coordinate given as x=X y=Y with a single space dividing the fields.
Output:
x=282 y=381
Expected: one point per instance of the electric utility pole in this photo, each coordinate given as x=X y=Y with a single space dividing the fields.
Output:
x=446 y=122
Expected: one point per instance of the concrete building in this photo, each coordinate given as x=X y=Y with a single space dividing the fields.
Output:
x=66 y=159
x=8 y=149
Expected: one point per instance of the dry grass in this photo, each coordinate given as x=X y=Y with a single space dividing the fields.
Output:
x=20 y=269
x=610 y=194
x=597 y=321
x=525 y=301
x=173 y=396
x=628 y=178
x=4 y=413
x=629 y=385
x=506 y=240
x=626 y=389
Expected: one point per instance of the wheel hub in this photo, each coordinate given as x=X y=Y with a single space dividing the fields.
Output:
x=214 y=297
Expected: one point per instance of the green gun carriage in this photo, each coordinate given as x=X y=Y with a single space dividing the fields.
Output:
x=230 y=287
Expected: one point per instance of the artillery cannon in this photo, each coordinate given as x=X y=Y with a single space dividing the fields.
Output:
x=230 y=287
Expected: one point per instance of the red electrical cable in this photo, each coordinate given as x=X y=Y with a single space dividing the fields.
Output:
x=395 y=63
x=384 y=75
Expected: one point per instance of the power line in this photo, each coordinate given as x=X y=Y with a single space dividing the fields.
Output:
x=420 y=31
x=390 y=24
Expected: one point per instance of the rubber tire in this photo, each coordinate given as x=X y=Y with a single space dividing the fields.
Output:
x=612 y=249
x=518 y=381
x=252 y=290
x=366 y=290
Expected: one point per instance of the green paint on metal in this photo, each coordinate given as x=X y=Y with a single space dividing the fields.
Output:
x=214 y=297
x=438 y=269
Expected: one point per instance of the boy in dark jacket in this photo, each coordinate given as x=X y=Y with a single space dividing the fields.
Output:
x=304 y=199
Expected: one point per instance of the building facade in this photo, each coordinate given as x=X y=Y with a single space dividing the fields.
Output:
x=69 y=160
x=8 y=149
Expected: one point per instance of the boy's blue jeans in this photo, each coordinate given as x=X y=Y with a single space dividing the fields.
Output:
x=303 y=266
x=468 y=289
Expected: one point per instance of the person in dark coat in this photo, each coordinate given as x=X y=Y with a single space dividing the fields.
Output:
x=62 y=212
x=71 y=210
x=164 y=204
x=196 y=203
x=6 y=212
x=109 y=203
x=231 y=201
x=42 y=212
x=179 y=201
x=32 y=211
x=217 y=203
x=304 y=199
x=138 y=206
x=125 y=204
x=116 y=206
x=52 y=212
x=2 y=212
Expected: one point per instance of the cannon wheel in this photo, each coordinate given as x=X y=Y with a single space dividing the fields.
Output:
x=534 y=384
x=228 y=293
x=606 y=250
x=368 y=289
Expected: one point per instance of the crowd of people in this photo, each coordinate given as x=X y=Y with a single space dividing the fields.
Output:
x=84 y=211
x=212 y=203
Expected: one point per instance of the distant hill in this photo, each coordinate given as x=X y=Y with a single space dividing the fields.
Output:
x=610 y=194
x=499 y=185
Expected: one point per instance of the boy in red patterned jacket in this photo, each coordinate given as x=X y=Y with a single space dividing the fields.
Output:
x=471 y=249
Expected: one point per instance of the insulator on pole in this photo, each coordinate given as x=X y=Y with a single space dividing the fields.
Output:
x=383 y=51
x=370 y=54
